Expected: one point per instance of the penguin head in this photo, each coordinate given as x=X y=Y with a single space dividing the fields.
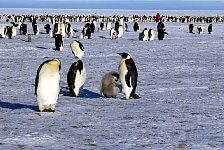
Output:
x=55 y=63
x=79 y=65
x=115 y=75
x=124 y=55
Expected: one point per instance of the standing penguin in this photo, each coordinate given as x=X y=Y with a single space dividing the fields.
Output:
x=210 y=29
x=109 y=85
x=191 y=27
x=59 y=43
x=47 y=85
x=151 y=35
x=128 y=75
x=200 y=29
x=76 y=78
x=161 y=30
x=77 y=49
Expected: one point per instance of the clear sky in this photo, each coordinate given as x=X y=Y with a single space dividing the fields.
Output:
x=117 y=4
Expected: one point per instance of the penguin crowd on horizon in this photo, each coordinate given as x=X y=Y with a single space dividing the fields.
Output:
x=47 y=79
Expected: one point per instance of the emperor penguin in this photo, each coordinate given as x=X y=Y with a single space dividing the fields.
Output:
x=120 y=31
x=59 y=43
x=136 y=27
x=77 y=49
x=144 y=36
x=200 y=29
x=47 y=85
x=191 y=27
x=151 y=35
x=109 y=85
x=14 y=29
x=128 y=76
x=76 y=78
x=113 y=34
x=210 y=29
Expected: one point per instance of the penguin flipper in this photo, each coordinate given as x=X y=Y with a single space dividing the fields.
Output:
x=127 y=79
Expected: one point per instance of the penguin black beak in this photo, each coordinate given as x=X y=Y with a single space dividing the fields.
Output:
x=120 y=54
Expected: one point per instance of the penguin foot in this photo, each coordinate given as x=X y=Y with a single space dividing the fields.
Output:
x=48 y=110
x=135 y=96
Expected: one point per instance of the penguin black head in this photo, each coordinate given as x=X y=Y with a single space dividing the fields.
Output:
x=79 y=65
x=124 y=55
x=116 y=76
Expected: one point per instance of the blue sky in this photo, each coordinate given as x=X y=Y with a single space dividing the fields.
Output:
x=117 y=4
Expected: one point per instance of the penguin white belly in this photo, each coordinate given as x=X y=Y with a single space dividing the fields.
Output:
x=125 y=89
x=48 y=90
x=38 y=31
x=13 y=31
x=120 y=31
x=79 y=82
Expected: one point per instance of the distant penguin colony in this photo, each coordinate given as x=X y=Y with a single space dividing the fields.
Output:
x=47 y=85
x=110 y=85
x=76 y=78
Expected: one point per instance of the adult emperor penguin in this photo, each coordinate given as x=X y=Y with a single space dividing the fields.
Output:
x=110 y=85
x=210 y=29
x=128 y=75
x=151 y=35
x=47 y=85
x=200 y=29
x=76 y=78
x=77 y=49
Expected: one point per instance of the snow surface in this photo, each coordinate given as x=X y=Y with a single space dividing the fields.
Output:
x=181 y=83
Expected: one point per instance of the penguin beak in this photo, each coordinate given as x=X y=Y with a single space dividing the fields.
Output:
x=120 y=54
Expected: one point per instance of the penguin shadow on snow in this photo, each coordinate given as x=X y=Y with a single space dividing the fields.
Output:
x=14 y=106
x=103 y=37
x=40 y=47
x=85 y=93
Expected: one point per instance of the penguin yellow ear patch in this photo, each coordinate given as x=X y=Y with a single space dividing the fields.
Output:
x=128 y=57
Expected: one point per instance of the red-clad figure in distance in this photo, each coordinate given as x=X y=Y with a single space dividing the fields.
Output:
x=157 y=17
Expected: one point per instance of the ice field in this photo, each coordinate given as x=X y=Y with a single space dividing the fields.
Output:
x=181 y=84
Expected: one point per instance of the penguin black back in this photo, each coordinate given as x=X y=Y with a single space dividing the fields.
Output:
x=75 y=68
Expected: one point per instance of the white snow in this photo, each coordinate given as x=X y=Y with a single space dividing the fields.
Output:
x=181 y=83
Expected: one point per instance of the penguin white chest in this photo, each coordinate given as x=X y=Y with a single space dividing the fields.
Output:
x=122 y=72
x=79 y=82
x=48 y=88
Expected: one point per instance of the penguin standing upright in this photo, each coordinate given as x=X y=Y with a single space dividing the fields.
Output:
x=77 y=49
x=47 y=85
x=191 y=27
x=151 y=35
x=76 y=78
x=59 y=43
x=128 y=76
x=110 y=85
x=161 y=30
x=200 y=29
x=210 y=29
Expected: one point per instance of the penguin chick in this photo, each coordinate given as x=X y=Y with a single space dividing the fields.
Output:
x=110 y=85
